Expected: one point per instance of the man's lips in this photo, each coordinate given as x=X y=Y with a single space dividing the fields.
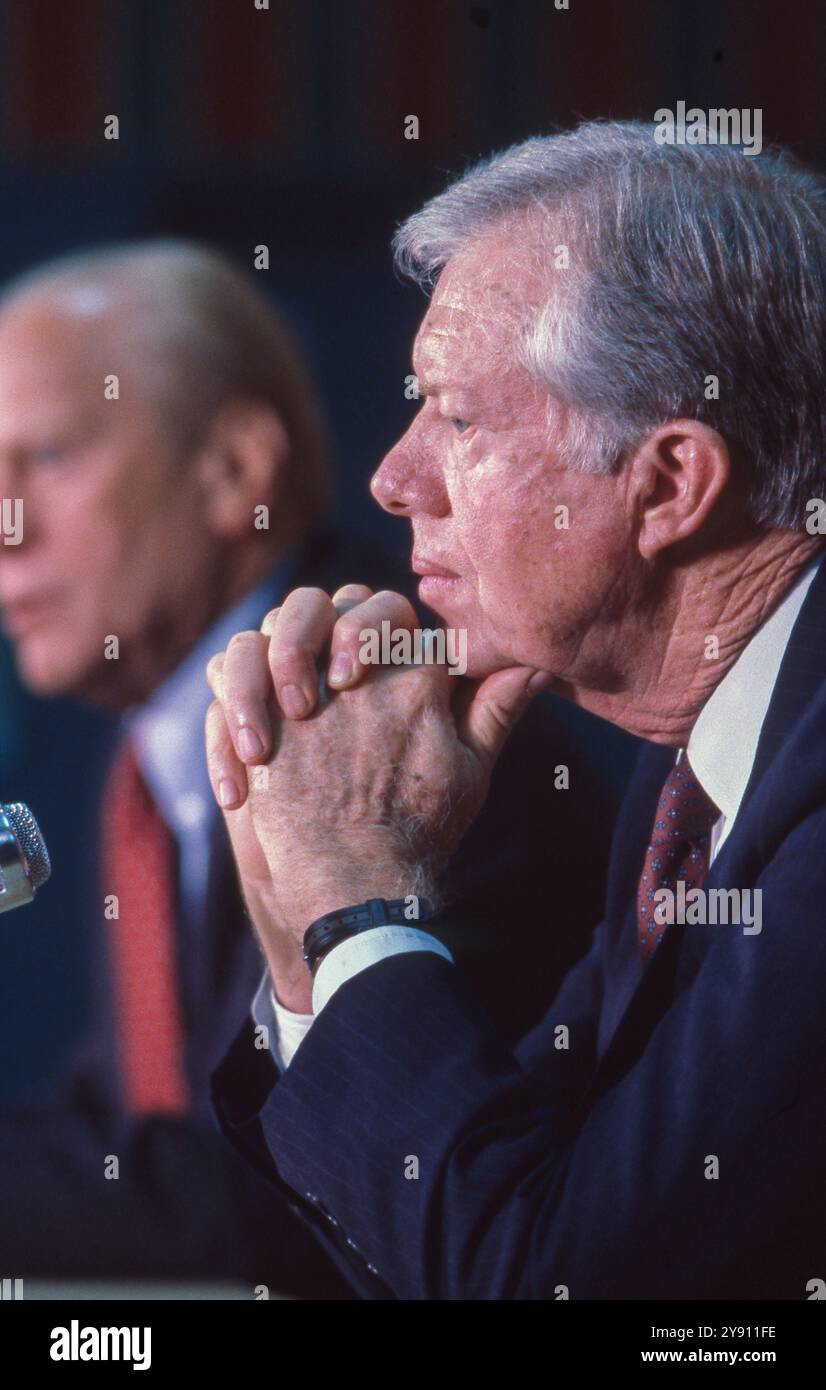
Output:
x=429 y=569
x=437 y=582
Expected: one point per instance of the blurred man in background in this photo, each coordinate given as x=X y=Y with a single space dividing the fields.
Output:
x=159 y=427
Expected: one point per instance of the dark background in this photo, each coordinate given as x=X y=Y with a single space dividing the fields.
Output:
x=286 y=127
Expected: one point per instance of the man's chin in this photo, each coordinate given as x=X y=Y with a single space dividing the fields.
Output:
x=481 y=661
x=478 y=657
x=484 y=660
x=42 y=675
x=477 y=670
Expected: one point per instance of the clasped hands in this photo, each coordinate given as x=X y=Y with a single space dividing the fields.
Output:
x=339 y=781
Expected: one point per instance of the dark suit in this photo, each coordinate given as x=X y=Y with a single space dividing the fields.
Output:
x=184 y=1204
x=589 y=1169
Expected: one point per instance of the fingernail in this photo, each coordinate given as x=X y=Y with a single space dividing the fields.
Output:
x=540 y=680
x=293 y=701
x=249 y=744
x=228 y=792
x=341 y=670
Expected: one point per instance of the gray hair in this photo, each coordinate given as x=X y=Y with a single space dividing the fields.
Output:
x=686 y=261
x=203 y=336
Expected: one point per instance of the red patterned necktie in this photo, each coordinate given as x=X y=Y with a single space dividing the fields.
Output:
x=678 y=849
x=139 y=867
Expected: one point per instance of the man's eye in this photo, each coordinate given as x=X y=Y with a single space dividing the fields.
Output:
x=459 y=425
x=49 y=453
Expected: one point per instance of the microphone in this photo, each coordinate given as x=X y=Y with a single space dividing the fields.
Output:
x=24 y=859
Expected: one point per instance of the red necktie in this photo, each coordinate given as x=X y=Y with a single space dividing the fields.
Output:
x=138 y=866
x=678 y=849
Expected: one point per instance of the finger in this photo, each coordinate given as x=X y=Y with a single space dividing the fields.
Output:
x=214 y=668
x=349 y=595
x=270 y=620
x=496 y=706
x=343 y=599
x=227 y=775
x=300 y=636
x=349 y=648
x=245 y=692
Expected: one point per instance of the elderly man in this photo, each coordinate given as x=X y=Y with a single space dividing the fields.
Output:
x=629 y=336
x=166 y=448
x=159 y=431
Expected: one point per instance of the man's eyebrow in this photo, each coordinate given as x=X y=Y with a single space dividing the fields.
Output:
x=431 y=382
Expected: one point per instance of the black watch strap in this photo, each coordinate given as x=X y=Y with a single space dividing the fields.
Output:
x=327 y=931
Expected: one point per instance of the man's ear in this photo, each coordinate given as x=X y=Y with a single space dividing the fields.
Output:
x=241 y=465
x=676 y=475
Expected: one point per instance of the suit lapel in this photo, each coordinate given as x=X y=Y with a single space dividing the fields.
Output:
x=802 y=672
x=635 y=1000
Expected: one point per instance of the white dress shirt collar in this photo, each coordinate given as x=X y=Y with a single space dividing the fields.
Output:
x=723 y=743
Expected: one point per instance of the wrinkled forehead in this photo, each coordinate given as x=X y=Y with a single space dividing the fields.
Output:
x=484 y=297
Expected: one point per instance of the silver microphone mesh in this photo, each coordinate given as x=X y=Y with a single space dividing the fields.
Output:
x=31 y=841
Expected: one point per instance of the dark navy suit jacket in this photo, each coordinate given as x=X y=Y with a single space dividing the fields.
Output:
x=676 y=1149
x=184 y=1204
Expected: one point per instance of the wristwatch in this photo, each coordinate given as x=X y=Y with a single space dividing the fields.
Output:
x=327 y=931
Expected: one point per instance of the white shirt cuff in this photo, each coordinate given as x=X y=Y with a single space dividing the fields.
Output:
x=355 y=953
x=284 y=1029
x=287 y=1030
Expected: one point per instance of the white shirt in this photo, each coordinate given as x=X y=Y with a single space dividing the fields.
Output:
x=722 y=745
x=721 y=749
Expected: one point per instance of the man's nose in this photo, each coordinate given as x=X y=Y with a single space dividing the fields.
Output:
x=406 y=483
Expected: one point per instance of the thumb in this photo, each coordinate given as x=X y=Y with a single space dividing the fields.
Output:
x=498 y=702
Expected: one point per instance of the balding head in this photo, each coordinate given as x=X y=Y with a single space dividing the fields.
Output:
x=141 y=498
x=193 y=334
